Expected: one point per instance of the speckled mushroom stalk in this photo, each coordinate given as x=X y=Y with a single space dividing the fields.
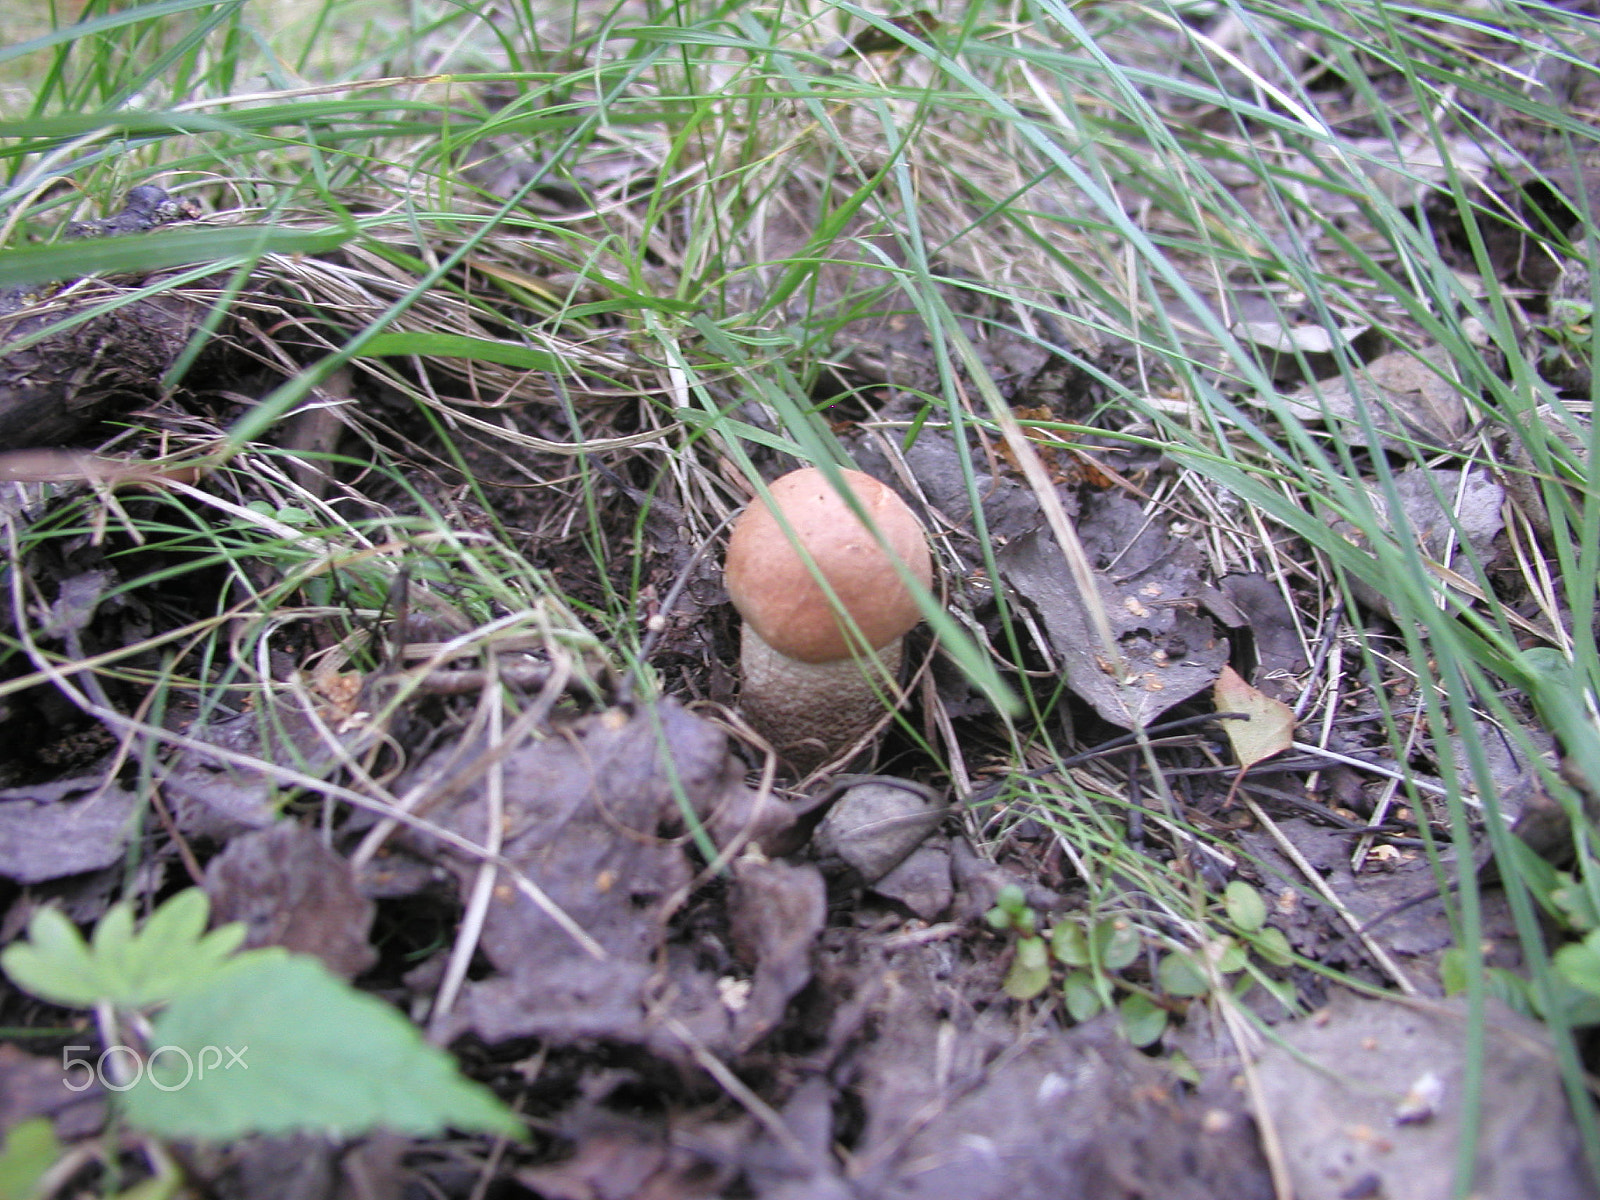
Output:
x=803 y=688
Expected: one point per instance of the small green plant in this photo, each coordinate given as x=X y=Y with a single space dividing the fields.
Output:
x=29 y=1149
x=203 y=1041
x=1030 y=966
x=1572 y=990
x=1096 y=954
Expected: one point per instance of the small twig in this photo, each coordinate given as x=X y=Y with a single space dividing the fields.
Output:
x=753 y=1104
x=466 y=681
x=1375 y=768
x=1380 y=811
x=476 y=910
x=1121 y=742
x=1266 y=1127
x=1292 y=853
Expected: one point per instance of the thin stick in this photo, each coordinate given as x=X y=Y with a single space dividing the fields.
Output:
x=1288 y=850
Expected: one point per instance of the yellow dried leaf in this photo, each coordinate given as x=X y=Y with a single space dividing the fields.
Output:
x=1270 y=727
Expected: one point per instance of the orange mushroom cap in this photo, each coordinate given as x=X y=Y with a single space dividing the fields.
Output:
x=778 y=596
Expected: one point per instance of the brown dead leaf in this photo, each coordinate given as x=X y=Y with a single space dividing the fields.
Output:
x=1405 y=396
x=592 y=818
x=1150 y=595
x=51 y=830
x=1269 y=728
x=291 y=890
x=778 y=910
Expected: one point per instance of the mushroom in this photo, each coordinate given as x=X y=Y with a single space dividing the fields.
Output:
x=810 y=687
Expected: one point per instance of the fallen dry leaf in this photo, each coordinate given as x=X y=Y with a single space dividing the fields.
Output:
x=1149 y=582
x=51 y=830
x=1269 y=727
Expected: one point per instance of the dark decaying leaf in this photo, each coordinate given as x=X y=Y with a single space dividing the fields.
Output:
x=1280 y=654
x=35 y=1085
x=291 y=890
x=1405 y=398
x=216 y=797
x=51 y=830
x=922 y=882
x=1151 y=597
x=78 y=597
x=1453 y=516
x=941 y=470
x=308 y=1166
x=615 y=1156
x=777 y=909
x=957 y=1105
x=592 y=818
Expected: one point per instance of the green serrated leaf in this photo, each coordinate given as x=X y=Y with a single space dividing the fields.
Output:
x=181 y=919
x=54 y=964
x=1143 y=1021
x=1179 y=975
x=1029 y=973
x=275 y=1043
x=1246 y=909
x=120 y=965
x=30 y=1149
x=114 y=931
x=173 y=952
x=1083 y=1001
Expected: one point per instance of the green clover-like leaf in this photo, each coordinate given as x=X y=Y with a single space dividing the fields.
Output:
x=1029 y=973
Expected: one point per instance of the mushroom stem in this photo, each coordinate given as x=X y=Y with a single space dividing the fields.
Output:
x=810 y=712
